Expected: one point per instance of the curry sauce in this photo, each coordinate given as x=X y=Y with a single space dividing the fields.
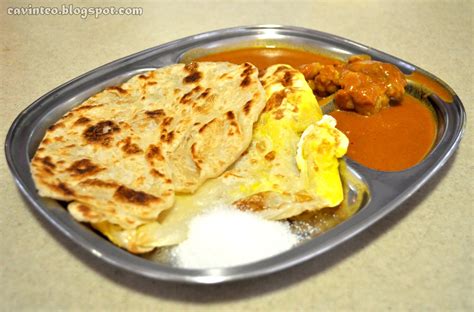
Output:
x=394 y=139
x=265 y=57
x=432 y=85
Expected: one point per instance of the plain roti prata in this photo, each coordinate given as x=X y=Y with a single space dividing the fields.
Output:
x=121 y=155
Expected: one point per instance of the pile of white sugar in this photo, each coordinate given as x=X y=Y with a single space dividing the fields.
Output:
x=225 y=236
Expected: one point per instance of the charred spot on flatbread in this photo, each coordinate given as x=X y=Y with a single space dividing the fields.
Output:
x=195 y=156
x=86 y=211
x=47 y=162
x=56 y=126
x=194 y=75
x=255 y=202
x=44 y=165
x=63 y=188
x=246 y=75
x=99 y=183
x=154 y=152
x=247 y=107
x=83 y=168
x=81 y=121
x=87 y=107
x=203 y=128
x=101 y=133
x=245 y=82
x=126 y=194
x=270 y=156
x=187 y=97
x=157 y=113
x=129 y=148
x=167 y=121
x=287 y=79
x=156 y=173
x=167 y=137
x=191 y=67
x=118 y=90
x=204 y=94
x=274 y=101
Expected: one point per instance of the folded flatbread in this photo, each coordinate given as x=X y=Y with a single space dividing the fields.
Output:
x=121 y=156
x=291 y=166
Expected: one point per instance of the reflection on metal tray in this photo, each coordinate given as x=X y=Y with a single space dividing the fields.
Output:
x=377 y=192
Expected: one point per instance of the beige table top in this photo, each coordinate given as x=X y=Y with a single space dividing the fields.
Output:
x=419 y=257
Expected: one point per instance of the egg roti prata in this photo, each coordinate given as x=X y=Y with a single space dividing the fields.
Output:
x=292 y=162
x=291 y=166
x=120 y=156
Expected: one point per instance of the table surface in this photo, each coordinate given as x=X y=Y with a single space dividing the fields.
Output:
x=418 y=257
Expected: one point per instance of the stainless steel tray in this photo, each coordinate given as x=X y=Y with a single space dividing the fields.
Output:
x=386 y=190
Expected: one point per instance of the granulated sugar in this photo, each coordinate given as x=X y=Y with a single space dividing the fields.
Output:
x=225 y=236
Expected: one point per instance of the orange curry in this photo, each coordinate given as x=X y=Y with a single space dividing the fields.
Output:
x=395 y=138
x=382 y=136
x=265 y=57
x=432 y=85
